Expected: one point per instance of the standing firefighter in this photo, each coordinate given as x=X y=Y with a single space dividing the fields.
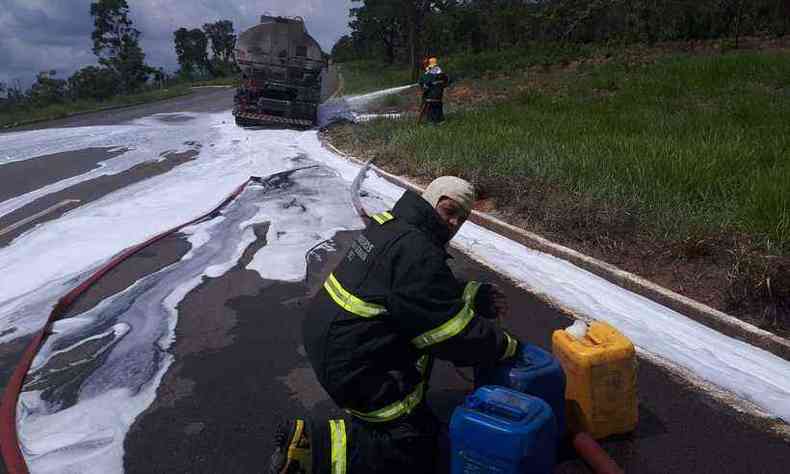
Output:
x=433 y=82
x=389 y=308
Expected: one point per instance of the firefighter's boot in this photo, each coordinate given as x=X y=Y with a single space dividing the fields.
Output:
x=292 y=449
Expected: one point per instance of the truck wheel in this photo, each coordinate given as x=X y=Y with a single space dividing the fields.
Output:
x=241 y=122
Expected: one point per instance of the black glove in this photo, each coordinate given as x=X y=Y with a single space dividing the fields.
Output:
x=490 y=302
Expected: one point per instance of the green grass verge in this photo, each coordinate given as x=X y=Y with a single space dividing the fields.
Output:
x=515 y=60
x=369 y=75
x=231 y=81
x=360 y=77
x=25 y=115
x=686 y=143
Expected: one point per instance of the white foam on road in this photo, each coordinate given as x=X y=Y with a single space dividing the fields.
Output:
x=87 y=436
x=45 y=262
x=146 y=140
x=84 y=237
x=306 y=218
x=20 y=146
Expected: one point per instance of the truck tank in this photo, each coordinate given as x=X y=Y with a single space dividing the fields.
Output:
x=281 y=68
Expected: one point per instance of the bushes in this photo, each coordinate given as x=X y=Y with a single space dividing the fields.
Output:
x=92 y=82
x=508 y=61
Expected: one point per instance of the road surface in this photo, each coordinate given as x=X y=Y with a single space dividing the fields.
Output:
x=183 y=358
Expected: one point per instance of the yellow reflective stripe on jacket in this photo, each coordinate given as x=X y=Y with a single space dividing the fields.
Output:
x=382 y=217
x=394 y=410
x=294 y=450
x=337 y=430
x=403 y=407
x=349 y=302
x=422 y=363
x=512 y=346
x=454 y=325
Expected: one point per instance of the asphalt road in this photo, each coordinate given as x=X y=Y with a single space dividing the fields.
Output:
x=239 y=365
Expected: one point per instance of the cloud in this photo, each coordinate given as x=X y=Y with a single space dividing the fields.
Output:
x=39 y=35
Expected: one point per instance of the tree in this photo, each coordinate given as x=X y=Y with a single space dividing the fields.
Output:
x=403 y=30
x=47 y=89
x=92 y=82
x=116 y=43
x=191 y=49
x=735 y=14
x=223 y=39
x=380 y=21
x=344 y=50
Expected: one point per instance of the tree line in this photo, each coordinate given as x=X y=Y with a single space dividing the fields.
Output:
x=121 y=67
x=405 y=30
x=192 y=50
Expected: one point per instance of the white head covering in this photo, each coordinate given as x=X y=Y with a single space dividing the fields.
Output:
x=454 y=188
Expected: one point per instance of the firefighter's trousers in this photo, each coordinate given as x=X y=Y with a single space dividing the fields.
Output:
x=407 y=445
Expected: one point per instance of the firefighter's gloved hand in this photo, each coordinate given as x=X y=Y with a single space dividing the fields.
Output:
x=491 y=302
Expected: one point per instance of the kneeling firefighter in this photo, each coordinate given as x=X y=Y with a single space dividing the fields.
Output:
x=371 y=335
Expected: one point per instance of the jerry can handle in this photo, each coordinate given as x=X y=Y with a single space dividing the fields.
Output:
x=524 y=360
x=503 y=411
x=596 y=339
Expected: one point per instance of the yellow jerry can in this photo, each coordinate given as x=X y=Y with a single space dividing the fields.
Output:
x=601 y=390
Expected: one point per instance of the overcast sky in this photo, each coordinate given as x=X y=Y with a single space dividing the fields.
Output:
x=38 y=35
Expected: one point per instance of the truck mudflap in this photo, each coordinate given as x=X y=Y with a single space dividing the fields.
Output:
x=269 y=119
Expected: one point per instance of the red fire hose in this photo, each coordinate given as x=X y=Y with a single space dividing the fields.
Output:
x=594 y=455
x=9 y=442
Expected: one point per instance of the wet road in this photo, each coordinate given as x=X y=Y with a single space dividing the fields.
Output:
x=242 y=367
x=236 y=364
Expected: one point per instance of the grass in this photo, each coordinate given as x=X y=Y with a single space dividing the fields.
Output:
x=369 y=75
x=23 y=115
x=360 y=77
x=686 y=143
x=515 y=60
x=673 y=166
x=231 y=81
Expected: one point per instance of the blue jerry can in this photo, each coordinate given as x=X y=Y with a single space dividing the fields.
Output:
x=502 y=431
x=533 y=371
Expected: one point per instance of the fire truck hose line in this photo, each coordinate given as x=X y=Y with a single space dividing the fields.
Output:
x=9 y=441
x=592 y=453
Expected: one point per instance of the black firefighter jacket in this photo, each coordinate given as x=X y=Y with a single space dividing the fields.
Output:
x=433 y=85
x=388 y=308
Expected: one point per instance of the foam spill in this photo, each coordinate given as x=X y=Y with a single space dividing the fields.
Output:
x=68 y=428
x=119 y=357
x=43 y=261
x=147 y=139
x=20 y=146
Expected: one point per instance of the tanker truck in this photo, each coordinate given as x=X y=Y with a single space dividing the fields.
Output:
x=281 y=69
